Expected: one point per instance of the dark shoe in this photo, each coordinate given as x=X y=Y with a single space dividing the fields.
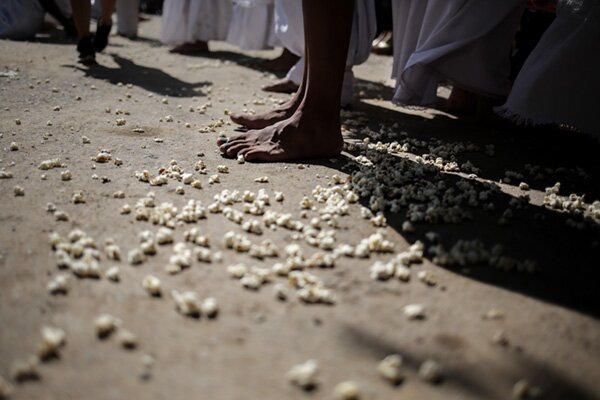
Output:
x=101 y=38
x=85 y=47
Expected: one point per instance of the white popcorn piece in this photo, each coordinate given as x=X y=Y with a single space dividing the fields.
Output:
x=52 y=340
x=251 y=281
x=382 y=271
x=241 y=159
x=252 y=226
x=23 y=370
x=13 y=146
x=203 y=255
x=5 y=174
x=179 y=190
x=113 y=274
x=414 y=311
x=237 y=271
x=77 y=197
x=522 y=389
x=262 y=179
x=61 y=216
x=152 y=285
x=125 y=209
x=279 y=197
x=113 y=252
x=148 y=248
x=85 y=140
x=86 y=268
x=50 y=164
x=408 y=227
x=430 y=371
x=222 y=169
x=121 y=121
x=103 y=156
x=6 y=389
x=58 y=285
x=65 y=175
x=105 y=325
x=348 y=390
x=127 y=339
x=524 y=186
x=187 y=303
x=280 y=292
x=214 y=179
x=135 y=257
x=164 y=236
x=379 y=220
x=209 y=307
x=427 y=277
x=494 y=314
x=304 y=375
x=119 y=194
x=390 y=368
x=19 y=191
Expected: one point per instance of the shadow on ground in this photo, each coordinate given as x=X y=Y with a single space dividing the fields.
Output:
x=477 y=376
x=566 y=257
x=152 y=79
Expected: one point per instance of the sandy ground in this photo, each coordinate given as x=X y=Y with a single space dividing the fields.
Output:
x=550 y=318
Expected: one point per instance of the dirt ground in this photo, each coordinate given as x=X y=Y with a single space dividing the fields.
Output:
x=549 y=317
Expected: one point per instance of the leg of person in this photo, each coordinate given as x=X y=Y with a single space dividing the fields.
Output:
x=281 y=113
x=314 y=129
x=104 y=25
x=282 y=63
x=82 y=11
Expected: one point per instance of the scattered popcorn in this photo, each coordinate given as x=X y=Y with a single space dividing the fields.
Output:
x=120 y=121
x=237 y=271
x=19 y=191
x=430 y=371
x=77 y=197
x=252 y=226
x=58 y=285
x=24 y=370
x=6 y=389
x=524 y=390
x=494 y=313
x=390 y=368
x=222 y=169
x=105 y=325
x=52 y=340
x=347 y=391
x=135 y=257
x=304 y=375
x=113 y=274
x=209 y=307
x=187 y=303
x=414 y=311
x=127 y=339
x=152 y=285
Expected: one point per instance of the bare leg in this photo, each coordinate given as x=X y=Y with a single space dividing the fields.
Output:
x=313 y=130
x=82 y=12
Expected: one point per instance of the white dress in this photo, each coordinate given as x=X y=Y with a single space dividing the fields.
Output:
x=464 y=42
x=289 y=27
x=20 y=19
x=188 y=21
x=560 y=80
x=252 y=25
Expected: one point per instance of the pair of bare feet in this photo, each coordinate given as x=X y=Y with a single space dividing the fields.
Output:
x=291 y=132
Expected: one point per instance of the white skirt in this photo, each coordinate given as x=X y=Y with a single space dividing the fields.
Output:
x=560 y=79
x=289 y=27
x=188 y=21
x=465 y=42
x=252 y=25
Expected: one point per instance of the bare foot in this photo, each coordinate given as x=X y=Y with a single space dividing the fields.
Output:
x=283 y=63
x=198 y=47
x=281 y=86
x=297 y=137
x=260 y=121
x=462 y=102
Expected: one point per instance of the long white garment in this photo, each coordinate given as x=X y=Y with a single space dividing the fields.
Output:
x=465 y=42
x=20 y=19
x=560 y=79
x=252 y=25
x=289 y=27
x=188 y=21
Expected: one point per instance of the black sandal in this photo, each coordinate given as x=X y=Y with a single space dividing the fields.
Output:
x=101 y=38
x=85 y=47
